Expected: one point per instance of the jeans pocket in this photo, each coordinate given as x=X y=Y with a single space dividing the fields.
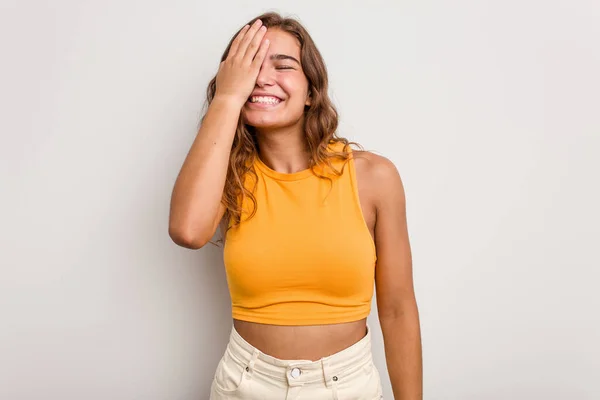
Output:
x=230 y=376
x=362 y=383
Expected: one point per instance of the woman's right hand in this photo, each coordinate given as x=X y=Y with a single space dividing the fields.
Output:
x=237 y=74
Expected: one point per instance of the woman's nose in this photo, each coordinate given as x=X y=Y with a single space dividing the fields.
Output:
x=265 y=77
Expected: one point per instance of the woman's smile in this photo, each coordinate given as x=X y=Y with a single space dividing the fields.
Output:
x=263 y=102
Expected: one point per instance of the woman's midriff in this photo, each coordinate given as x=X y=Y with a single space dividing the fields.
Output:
x=301 y=342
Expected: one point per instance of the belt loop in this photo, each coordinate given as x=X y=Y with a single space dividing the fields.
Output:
x=250 y=367
x=326 y=376
x=331 y=381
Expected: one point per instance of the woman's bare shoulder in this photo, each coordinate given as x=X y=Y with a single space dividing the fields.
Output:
x=374 y=166
x=376 y=175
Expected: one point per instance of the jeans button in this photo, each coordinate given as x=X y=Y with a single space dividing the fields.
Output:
x=295 y=373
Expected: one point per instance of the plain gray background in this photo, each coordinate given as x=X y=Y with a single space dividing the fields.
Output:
x=489 y=109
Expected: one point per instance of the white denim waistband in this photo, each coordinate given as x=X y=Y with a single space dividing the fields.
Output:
x=299 y=372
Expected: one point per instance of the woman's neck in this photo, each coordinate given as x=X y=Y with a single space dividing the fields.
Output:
x=285 y=152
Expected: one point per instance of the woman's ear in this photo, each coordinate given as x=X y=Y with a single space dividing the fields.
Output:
x=308 y=98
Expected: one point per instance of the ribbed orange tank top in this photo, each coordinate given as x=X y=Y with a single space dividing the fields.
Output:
x=306 y=257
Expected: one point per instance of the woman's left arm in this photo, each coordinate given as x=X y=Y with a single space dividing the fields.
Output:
x=396 y=303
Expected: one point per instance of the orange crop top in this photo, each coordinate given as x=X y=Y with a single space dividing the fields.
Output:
x=306 y=257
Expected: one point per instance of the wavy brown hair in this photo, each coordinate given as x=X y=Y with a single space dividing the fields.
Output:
x=320 y=122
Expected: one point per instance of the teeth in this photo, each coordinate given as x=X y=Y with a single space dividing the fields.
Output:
x=264 y=99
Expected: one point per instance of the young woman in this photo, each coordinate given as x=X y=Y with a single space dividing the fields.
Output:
x=310 y=225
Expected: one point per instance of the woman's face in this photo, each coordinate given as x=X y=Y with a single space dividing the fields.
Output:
x=281 y=90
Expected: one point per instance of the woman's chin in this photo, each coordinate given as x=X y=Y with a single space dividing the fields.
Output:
x=261 y=123
x=270 y=121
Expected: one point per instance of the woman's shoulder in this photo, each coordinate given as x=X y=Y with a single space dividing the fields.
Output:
x=375 y=173
x=371 y=168
x=373 y=165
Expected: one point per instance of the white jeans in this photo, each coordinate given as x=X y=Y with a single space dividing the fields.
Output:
x=245 y=373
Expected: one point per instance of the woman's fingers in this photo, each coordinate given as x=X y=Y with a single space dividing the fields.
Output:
x=255 y=44
x=260 y=55
x=241 y=51
x=236 y=42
